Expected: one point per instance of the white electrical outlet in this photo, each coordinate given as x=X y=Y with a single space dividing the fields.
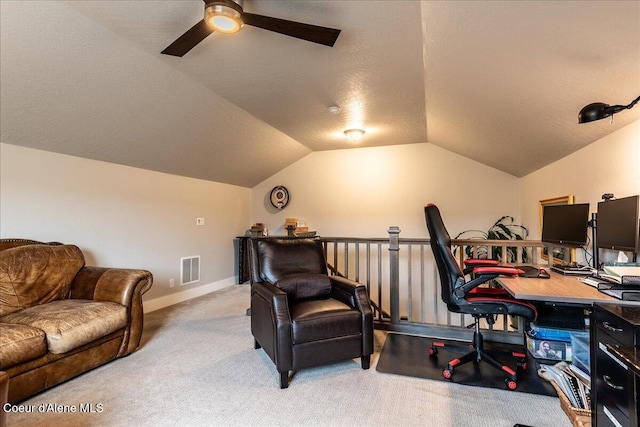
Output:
x=172 y=283
x=199 y=221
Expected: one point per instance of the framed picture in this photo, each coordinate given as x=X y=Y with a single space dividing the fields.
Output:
x=558 y=253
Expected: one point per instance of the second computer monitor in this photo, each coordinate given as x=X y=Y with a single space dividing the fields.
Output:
x=617 y=224
x=565 y=225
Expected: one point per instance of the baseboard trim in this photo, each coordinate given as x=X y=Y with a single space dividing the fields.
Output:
x=187 y=294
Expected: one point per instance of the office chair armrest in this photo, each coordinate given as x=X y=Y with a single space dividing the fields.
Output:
x=464 y=288
x=506 y=271
x=472 y=263
x=483 y=275
x=477 y=262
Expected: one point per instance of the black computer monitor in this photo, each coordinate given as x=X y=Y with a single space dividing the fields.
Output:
x=565 y=225
x=617 y=224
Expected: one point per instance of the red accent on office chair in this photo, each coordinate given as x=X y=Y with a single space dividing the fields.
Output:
x=462 y=296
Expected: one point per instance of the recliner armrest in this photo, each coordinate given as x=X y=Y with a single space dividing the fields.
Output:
x=275 y=297
x=350 y=292
x=355 y=295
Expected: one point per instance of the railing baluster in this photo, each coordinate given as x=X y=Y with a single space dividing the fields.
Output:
x=380 y=275
x=394 y=273
x=357 y=261
x=346 y=259
x=409 y=284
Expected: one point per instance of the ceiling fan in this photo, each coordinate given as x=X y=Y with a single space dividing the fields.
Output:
x=228 y=16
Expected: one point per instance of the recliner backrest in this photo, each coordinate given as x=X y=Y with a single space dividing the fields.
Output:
x=275 y=258
x=448 y=269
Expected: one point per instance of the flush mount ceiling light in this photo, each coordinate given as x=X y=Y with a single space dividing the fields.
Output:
x=598 y=110
x=224 y=17
x=354 y=134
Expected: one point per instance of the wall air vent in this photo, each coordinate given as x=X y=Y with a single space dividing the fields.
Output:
x=189 y=270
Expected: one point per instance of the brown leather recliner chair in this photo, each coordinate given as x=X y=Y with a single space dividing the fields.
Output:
x=300 y=316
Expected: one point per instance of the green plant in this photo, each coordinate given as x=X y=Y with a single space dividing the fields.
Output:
x=502 y=229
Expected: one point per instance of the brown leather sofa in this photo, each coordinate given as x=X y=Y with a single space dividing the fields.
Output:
x=300 y=316
x=4 y=392
x=60 y=318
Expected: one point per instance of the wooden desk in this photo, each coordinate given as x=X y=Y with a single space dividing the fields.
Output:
x=558 y=288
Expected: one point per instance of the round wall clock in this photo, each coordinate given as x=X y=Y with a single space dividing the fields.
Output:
x=279 y=197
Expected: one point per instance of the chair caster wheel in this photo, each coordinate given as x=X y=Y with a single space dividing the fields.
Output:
x=523 y=366
x=433 y=351
x=511 y=384
x=447 y=373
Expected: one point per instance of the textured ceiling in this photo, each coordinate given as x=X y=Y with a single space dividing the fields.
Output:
x=499 y=82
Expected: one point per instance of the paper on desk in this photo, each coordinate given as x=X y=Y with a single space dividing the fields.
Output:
x=619 y=271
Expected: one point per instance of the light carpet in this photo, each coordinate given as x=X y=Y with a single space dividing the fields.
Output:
x=197 y=367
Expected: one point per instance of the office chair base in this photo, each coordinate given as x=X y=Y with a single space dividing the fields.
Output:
x=479 y=354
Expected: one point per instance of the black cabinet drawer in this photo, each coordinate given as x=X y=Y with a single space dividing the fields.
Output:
x=621 y=331
x=612 y=382
x=606 y=418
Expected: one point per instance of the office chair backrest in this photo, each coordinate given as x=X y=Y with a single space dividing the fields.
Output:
x=274 y=258
x=448 y=269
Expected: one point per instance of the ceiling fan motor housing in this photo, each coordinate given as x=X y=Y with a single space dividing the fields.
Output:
x=224 y=16
x=237 y=5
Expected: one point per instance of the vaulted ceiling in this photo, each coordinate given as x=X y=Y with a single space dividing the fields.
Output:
x=500 y=82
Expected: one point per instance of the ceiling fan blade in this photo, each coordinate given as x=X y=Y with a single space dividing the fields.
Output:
x=188 y=40
x=312 y=33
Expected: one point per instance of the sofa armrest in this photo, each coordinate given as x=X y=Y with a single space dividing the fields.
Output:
x=124 y=286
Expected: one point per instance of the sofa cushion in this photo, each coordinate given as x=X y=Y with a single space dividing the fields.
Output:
x=306 y=285
x=71 y=323
x=20 y=343
x=36 y=274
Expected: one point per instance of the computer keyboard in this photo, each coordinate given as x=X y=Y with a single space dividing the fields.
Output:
x=567 y=269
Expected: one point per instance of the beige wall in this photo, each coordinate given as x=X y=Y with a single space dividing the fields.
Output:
x=124 y=217
x=128 y=217
x=609 y=165
x=361 y=192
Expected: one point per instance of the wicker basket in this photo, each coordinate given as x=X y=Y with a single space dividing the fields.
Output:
x=579 y=417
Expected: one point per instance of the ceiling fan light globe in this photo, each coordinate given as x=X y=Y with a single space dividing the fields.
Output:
x=223 y=19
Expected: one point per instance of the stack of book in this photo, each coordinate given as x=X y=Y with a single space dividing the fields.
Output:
x=297 y=228
x=574 y=383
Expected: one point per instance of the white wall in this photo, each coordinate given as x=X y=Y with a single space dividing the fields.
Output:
x=124 y=217
x=609 y=165
x=361 y=192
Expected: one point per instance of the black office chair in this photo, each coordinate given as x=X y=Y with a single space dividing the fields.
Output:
x=462 y=296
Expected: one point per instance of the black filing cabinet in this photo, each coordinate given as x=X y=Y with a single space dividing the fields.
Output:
x=615 y=339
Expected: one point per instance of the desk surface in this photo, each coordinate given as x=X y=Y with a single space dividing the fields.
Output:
x=558 y=288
